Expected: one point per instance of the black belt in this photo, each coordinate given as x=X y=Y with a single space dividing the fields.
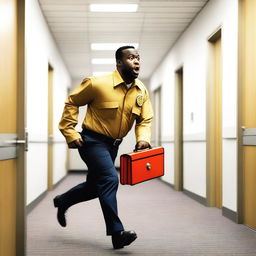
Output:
x=102 y=137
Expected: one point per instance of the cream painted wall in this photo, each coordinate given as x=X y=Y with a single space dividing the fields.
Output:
x=191 y=51
x=41 y=50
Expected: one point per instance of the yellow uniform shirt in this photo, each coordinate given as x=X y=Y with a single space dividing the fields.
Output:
x=112 y=109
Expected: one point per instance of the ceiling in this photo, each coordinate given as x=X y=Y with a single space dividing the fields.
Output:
x=155 y=26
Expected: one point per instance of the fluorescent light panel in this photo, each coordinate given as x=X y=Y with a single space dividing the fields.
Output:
x=110 y=46
x=103 y=61
x=113 y=7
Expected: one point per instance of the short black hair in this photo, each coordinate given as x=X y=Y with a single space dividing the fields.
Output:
x=119 y=51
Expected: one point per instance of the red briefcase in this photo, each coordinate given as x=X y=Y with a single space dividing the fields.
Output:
x=142 y=165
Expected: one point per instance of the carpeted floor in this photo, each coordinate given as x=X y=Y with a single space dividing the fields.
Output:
x=167 y=223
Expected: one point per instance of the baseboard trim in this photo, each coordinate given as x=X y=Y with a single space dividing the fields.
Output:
x=232 y=215
x=167 y=183
x=57 y=183
x=196 y=197
x=34 y=203
x=71 y=171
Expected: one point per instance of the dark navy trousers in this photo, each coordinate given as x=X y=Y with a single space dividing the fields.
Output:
x=102 y=180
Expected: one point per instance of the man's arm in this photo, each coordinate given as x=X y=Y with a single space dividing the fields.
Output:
x=143 y=126
x=82 y=95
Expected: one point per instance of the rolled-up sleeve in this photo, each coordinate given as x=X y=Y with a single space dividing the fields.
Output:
x=80 y=96
x=143 y=123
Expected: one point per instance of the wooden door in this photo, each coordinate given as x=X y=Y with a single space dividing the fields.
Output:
x=12 y=194
x=218 y=125
x=214 y=124
x=248 y=113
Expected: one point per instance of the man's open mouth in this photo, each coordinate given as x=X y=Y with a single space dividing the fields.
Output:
x=136 y=70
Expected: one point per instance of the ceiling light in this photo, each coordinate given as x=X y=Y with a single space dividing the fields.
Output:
x=103 y=61
x=100 y=73
x=113 y=7
x=110 y=46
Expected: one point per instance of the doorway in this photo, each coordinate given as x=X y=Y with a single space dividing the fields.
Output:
x=178 y=130
x=214 y=123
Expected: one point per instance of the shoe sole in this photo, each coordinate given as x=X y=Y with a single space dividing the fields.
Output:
x=132 y=239
x=129 y=242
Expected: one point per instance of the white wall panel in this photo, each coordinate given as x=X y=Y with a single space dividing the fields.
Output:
x=194 y=163
x=191 y=52
x=59 y=161
x=168 y=162
x=36 y=170
x=229 y=178
x=41 y=50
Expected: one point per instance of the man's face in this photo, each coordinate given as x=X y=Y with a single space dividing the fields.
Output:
x=130 y=63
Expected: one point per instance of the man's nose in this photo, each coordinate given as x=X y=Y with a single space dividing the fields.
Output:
x=136 y=61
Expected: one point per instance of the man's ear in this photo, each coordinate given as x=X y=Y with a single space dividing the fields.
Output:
x=119 y=63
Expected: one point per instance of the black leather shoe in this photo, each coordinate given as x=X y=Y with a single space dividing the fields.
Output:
x=123 y=238
x=61 y=211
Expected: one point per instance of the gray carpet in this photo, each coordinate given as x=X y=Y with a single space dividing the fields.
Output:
x=167 y=223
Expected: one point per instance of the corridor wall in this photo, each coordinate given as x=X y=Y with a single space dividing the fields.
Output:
x=191 y=51
x=41 y=50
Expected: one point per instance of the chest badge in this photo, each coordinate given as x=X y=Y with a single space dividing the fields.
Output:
x=139 y=100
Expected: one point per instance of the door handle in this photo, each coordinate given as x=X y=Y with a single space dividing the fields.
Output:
x=6 y=143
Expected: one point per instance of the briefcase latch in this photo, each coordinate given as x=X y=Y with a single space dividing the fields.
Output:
x=148 y=165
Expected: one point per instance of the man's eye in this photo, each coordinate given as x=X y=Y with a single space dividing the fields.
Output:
x=131 y=58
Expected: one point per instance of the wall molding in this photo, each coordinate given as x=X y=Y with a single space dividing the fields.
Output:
x=58 y=182
x=77 y=171
x=166 y=183
x=232 y=215
x=199 y=199
x=35 y=202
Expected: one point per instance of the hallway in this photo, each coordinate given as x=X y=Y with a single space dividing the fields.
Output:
x=167 y=223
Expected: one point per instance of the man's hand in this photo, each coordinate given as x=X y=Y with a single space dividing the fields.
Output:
x=76 y=143
x=142 y=145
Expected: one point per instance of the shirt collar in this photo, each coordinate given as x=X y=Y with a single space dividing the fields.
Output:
x=117 y=80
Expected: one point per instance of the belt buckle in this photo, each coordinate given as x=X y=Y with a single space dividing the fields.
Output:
x=117 y=142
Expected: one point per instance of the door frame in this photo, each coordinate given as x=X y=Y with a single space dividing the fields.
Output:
x=210 y=107
x=21 y=133
x=240 y=179
x=158 y=127
x=178 y=129
x=50 y=128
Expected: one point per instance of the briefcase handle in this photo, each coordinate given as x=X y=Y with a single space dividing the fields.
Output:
x=136 y=150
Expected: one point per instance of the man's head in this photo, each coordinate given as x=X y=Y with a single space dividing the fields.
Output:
x=128 y=63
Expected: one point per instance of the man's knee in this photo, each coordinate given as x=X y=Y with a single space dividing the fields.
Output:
x=113 y=180
x=109 y=182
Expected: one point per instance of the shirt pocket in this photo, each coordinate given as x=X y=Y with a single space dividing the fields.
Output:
x=108 y=109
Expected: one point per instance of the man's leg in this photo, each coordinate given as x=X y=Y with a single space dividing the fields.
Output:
x=99 y=160
x=80 y=193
